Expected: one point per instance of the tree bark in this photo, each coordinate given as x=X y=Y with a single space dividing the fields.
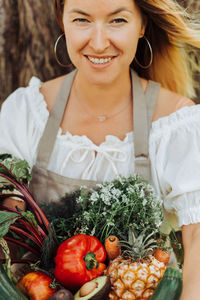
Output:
x=37 y=35
x=8 y=46
x=28 y=31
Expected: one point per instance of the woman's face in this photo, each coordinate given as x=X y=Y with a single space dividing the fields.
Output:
x=102 y=37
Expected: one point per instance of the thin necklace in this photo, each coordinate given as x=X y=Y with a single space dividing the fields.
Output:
x=104 y=117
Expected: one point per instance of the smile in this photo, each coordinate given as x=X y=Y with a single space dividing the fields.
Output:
x=99 y=60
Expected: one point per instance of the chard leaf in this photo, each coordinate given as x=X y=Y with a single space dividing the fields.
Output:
x=7 y=215
x=7 y=219
x=5 y=184
x=17 y=168
x=30 y=217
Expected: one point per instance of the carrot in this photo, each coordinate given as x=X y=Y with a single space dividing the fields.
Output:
x=112 y=248
x=162 y=256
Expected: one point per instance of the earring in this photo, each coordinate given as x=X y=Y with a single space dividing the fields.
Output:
x=151 y=55
x=55 y=51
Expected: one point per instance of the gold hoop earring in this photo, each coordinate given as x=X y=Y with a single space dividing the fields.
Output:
x=151 y=56
x=55 y=50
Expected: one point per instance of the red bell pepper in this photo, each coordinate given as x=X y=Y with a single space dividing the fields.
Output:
x=79 y=260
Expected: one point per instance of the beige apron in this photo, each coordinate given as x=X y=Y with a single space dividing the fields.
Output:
x=48 y=186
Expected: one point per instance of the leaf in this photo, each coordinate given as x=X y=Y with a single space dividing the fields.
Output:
x=18 y=168
x=5 y=184
x=6 y=216
x=30 y=217
x=177 y=245
x=7 y=219
x=49 y=248
x=21 y=170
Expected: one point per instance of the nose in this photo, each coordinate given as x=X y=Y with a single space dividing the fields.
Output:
x=99 y=39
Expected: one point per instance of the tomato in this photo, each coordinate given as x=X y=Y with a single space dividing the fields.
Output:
x=36 y=286
x=79 y=259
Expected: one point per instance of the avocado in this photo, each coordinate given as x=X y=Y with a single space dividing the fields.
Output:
x=96 y=289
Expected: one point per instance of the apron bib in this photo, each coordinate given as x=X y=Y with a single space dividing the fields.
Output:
x=48 y=186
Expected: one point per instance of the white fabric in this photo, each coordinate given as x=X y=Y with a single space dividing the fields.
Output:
x=174 y=146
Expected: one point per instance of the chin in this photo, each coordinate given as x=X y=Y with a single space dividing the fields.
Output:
x=100 y=77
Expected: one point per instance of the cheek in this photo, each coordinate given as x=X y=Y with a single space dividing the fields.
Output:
x=75 y=39
x=127 y=41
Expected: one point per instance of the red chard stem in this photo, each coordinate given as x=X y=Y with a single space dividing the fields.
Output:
x=37 y=253
x=22 y=233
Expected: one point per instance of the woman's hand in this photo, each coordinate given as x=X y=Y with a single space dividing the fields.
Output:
x=191 y=267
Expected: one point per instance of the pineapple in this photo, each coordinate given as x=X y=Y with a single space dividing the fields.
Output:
x=136 y=273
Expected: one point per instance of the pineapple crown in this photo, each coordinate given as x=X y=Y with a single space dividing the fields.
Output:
x=138 y=246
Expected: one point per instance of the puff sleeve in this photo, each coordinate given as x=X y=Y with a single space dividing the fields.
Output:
x=22 y=119
x=175 y=158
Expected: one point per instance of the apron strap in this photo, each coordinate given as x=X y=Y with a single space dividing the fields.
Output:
x=143 y=111
x=47 y=141
x=144 y=102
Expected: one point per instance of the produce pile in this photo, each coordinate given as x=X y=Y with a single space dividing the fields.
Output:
x=102 y=243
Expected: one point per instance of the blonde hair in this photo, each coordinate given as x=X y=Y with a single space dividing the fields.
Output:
x=173 y=35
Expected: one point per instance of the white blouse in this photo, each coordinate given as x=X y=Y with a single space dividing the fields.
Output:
x=174 y=147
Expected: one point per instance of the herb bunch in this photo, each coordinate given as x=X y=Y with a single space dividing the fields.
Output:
x=111 y=209
x=117 y=205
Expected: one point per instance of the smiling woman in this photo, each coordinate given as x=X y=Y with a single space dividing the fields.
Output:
x=167 y=29
x=102 y=42
x=124 y=109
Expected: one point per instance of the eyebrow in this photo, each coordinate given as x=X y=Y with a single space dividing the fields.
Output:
x=76 y=10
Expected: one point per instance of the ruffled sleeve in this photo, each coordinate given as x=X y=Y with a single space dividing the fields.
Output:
x=22 y=120
x=175 y=157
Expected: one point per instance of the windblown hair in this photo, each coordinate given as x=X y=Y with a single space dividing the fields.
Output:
x=175 y=38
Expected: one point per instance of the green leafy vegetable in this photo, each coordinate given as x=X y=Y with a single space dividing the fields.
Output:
x=15 y=174
x=15 y=168
x=49 y=249
x=177 y=245
x=31 y=227
x=29 y=217
x=6 y=219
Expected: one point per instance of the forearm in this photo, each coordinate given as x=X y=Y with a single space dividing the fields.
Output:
x=191 y=268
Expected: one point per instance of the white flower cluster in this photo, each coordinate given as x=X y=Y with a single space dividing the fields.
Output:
x=116 y=205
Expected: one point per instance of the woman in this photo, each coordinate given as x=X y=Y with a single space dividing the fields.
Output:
x=94 y=142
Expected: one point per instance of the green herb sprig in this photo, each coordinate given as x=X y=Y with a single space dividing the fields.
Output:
x=117 y=205
x=110 y=209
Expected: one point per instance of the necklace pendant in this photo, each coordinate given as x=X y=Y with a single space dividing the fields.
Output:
x=101 y=118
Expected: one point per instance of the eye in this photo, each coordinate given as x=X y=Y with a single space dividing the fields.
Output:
x=80 y=20
x=119 y=21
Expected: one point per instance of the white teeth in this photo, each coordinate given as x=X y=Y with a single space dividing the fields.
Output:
x=99 y=60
